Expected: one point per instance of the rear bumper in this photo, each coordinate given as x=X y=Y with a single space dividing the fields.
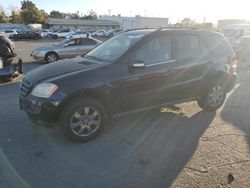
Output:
x=231 y=82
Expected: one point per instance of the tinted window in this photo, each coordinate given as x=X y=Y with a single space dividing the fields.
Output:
x=8 y=31
x=187 y=47
x=156 y=50
x=74 y=42
x=64 y=31
x=218 y=45
x=85 y=41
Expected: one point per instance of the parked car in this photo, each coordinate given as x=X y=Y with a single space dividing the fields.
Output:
x=46 y=32
x=242 y=49
x=8 y=70
x=112 y=32
x=52 y=32
x=8 y=32
x=62 y=33
x=68 y=48
x=99 y=33
x=129 y=73
x=78 y=34
x=26 y=35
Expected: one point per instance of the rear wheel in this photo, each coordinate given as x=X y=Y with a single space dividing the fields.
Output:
x=83 y=119
x=214 y=98
x=51 y=57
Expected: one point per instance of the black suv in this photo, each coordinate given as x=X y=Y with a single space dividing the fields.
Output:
x=130 y=72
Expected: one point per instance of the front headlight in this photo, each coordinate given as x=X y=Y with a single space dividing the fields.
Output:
x=1 y=63
x=39 y=52
x=44 y=90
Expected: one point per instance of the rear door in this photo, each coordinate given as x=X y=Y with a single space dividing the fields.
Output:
x=193 y=59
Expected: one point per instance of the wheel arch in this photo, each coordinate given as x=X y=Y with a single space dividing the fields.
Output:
x=84 y=94
x=52 y=52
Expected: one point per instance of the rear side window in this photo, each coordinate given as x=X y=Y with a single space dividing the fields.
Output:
x=187 y=47
x=190 y=47
x=85 y=41
x=64 y=31
x=8 y=31
x=218 y=45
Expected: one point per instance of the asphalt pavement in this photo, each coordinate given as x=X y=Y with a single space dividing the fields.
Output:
x=181 y=146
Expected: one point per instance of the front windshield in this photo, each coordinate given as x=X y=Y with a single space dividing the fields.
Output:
x=113 y=48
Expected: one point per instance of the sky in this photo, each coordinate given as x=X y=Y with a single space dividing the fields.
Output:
x=175 y=10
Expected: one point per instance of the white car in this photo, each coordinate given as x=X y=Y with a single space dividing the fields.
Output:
x=62 y=33
x=112 y=32
x=8 y=32
x=100 y=33
x=46 y=32
x=78 y=34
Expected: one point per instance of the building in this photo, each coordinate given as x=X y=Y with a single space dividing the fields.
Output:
x=222 y=23
x=12 y=26
x=137 y=22
x=81 y=24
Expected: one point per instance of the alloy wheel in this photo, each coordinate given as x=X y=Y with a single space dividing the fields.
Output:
x=85 y=121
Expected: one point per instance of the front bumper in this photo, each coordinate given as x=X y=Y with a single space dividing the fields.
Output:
x=38 y=57
x=39 y=109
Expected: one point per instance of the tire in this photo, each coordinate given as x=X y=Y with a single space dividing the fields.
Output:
x=214 y=97
x=55 y=37
x=51 y=57
x=82 y=119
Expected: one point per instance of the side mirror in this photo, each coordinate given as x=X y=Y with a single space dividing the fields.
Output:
x=137 y=64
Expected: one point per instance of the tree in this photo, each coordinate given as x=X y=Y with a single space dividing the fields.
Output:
x=91 y=15
x=187 y=22
x=57 y=14
x=30 y=13
x=3 y=18
x=15 y=17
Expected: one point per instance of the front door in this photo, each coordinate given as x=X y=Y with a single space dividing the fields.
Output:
x=71 y=49
x=142 y=87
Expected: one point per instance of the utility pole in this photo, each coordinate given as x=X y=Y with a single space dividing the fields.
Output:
x=109 y=10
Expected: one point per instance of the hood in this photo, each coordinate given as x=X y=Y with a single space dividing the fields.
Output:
x=62 y=69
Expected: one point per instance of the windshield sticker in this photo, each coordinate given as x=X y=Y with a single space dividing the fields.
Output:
x=135 y=36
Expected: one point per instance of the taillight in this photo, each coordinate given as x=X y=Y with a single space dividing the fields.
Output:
x=234 y=64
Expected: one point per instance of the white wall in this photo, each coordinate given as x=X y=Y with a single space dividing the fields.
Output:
x=137 y=22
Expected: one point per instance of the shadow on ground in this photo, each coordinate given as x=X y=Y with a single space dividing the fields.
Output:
x=144 y=150
x=237 y=107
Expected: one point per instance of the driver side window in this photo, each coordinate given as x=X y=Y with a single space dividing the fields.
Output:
x=156 y=50
x=74 y=42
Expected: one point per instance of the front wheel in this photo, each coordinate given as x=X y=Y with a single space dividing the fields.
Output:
x=83 y=119
x=51 y=57
x=214 y=98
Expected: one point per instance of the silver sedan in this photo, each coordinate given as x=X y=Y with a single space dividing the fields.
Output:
x=65 y=49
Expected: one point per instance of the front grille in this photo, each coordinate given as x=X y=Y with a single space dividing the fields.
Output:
x=25 y=87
